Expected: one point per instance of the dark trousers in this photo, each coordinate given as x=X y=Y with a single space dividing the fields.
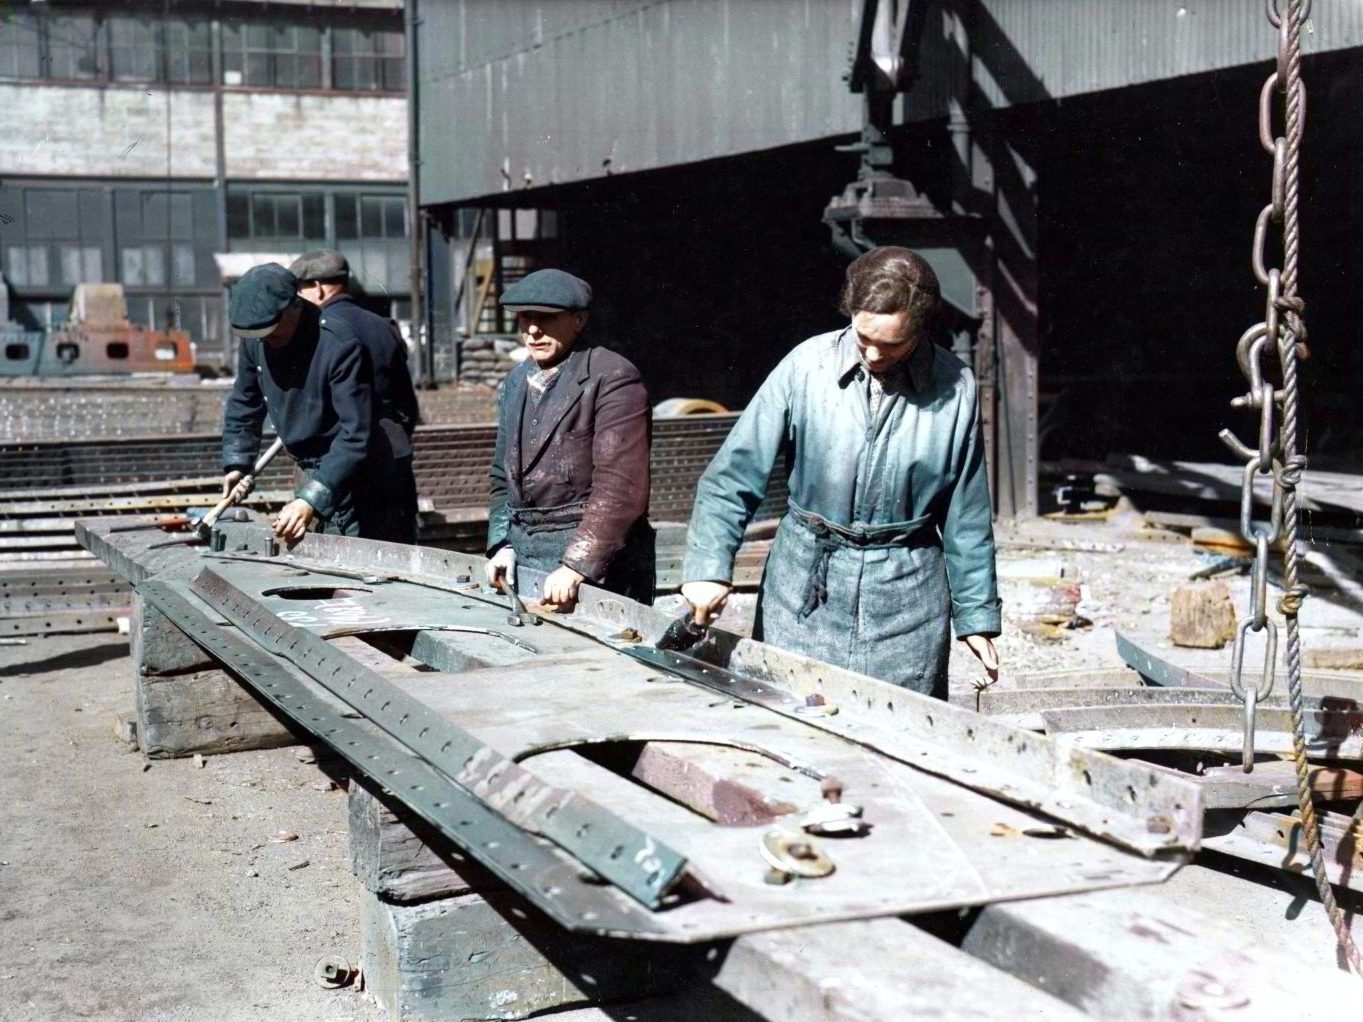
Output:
x=379 y=503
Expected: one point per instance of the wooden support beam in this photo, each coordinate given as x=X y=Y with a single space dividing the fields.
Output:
x=880 y=969
x=397 y=855
x=158 y=647
x=206 y=712
x=493 y=956
x=1132 y=956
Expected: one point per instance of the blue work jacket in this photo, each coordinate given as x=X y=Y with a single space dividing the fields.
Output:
x=919 y=465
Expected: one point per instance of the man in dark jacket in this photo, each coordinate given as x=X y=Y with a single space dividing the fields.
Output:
x=570 y=472
x=322 y=279
x=310 y=374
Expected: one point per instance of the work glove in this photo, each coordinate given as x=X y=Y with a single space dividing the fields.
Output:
x=500 y=565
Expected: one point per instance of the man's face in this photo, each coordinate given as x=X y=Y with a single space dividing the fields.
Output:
x=549 y=336
x=885 y=338
x=284 y=330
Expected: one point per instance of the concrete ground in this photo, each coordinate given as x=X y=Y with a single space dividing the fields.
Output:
x=136 y=892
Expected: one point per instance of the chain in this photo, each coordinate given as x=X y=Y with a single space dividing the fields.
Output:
x=1277 y=456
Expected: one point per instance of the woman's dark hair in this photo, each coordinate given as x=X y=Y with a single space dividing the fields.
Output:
x=892 y=279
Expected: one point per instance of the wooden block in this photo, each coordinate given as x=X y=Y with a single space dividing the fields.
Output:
x=494 y=957
x=396 y=854
x=1334 y=659
x=158 y=647
x=1201 y=615
x=202 y=712
x=1328 y=783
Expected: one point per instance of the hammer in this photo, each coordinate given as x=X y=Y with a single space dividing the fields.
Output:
x=239 y=491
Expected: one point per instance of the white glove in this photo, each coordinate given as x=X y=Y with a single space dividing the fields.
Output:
x=501 y=564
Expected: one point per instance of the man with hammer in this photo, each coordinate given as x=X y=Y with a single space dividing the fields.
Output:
x=323 y=277
x=310 y=374
x=570 y=470
x=889 y=539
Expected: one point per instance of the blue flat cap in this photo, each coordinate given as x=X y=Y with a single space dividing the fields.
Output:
x=259 y=299
x=548 y=291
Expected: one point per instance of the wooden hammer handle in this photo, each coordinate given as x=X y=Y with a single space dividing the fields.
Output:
x=227 y=501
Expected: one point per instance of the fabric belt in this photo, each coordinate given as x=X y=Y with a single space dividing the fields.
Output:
x=549 y=519
x=830 y=537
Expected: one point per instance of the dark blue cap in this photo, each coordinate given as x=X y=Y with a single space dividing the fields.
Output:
x=259 y=299
x=548 y=291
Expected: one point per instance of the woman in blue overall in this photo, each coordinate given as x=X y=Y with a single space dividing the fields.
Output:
x=889 y=541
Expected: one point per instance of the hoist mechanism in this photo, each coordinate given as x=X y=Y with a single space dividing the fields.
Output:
x=878 y=208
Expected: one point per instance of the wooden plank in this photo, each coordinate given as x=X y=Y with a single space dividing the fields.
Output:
x=158 y=647
x=398 y=856
x=204 y=712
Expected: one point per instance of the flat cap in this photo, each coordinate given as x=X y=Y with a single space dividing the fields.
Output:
x=259 y=298
x=321 y=264
x=548 y=291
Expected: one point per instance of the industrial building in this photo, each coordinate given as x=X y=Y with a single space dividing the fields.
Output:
x=165 y=146
x=1095 y=166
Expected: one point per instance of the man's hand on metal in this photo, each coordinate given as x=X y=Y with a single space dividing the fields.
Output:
x=560 y=588
x=237 y=485
x=983 y=648
x=501 y=565
x=291 y=524
x=707 y=599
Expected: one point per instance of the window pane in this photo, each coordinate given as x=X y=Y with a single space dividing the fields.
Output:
x=37 y=265
x=16 y=265
x=343 y=73
x=52 y=213
x=70 y=265
x=262 y=216
x=238 y=216
x=287 y=206
x=371 y=217
x=155 y=221
x=91 y=264
x=260 y=37
x=258 y=69
x=19 y=46
x=309 y=74
x=132 y=45
x=314 y=217
x=73 y=46
x=394 y=74
x=183 y=265
x=346 y=227
x=154 y=264
x=394 y=220
x=188 y=51
x=342 y=41
x=132 y=266
x=181 y=215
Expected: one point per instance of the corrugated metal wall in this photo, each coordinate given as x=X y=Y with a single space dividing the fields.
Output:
x=527 y=93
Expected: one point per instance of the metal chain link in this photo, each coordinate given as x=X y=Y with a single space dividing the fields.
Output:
x=1282 y=333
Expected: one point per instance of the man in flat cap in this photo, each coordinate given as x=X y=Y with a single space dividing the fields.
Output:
x=322 y=279
x=570 y=472
x=310 y=374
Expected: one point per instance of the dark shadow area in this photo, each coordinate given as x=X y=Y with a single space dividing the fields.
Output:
x=1148 y=198
x=71 y=660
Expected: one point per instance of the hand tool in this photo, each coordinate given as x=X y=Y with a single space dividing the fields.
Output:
x=239 y=491
x=683 y=634
x=518 y=615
